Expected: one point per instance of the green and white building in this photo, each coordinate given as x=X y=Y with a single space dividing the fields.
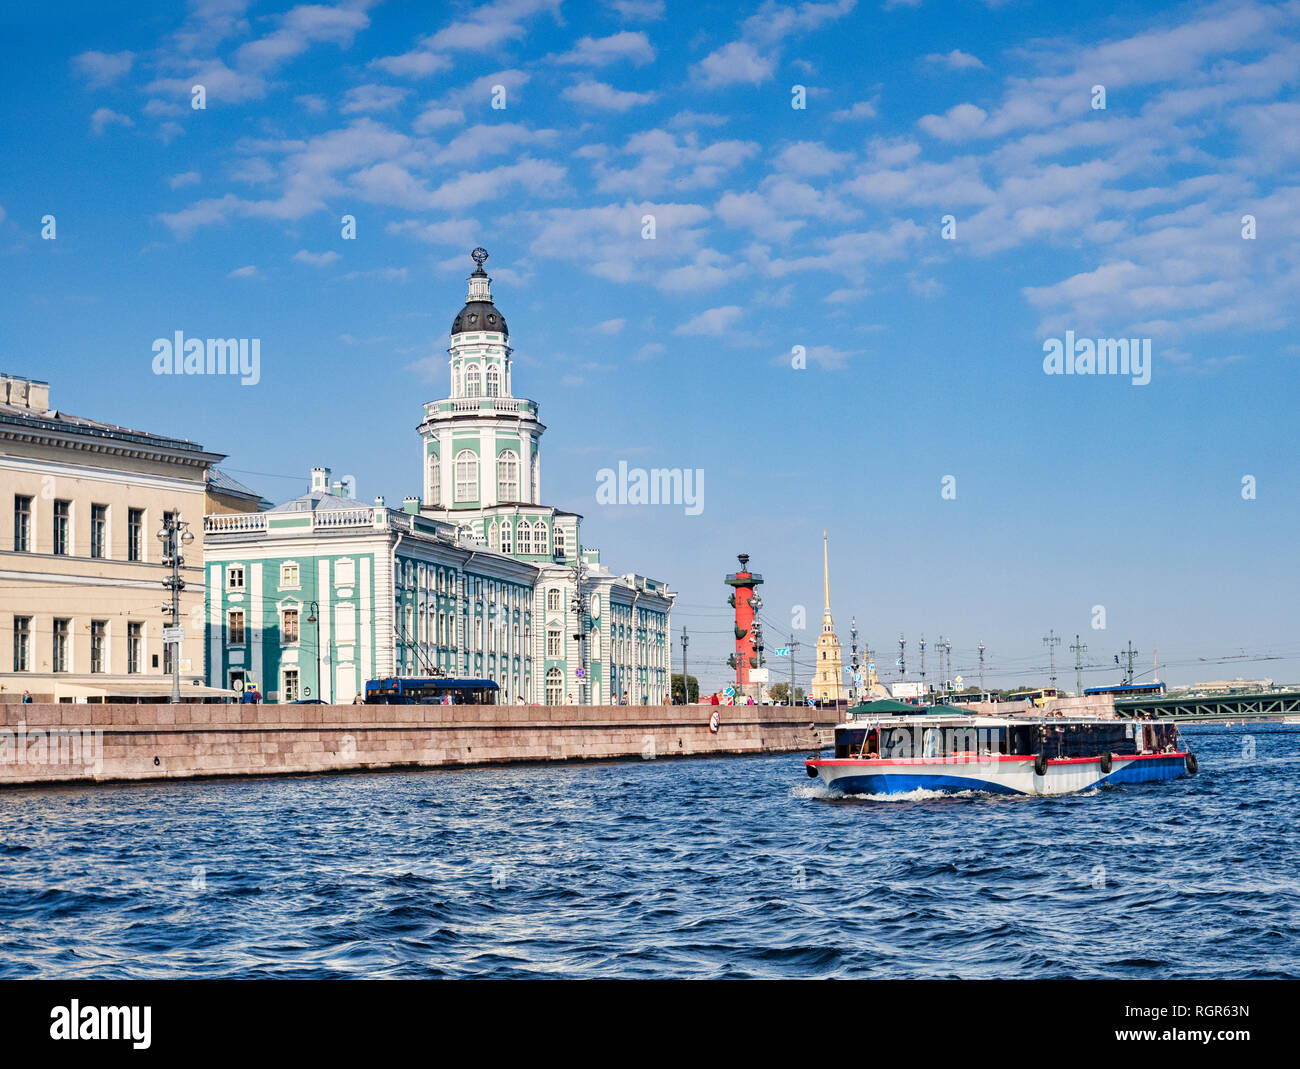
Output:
x=477 y=578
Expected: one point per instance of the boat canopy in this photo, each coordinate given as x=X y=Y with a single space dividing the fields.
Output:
x=889 y=707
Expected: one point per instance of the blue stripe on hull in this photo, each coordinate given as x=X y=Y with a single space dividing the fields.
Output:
x=1172 y=767
x=895 y=783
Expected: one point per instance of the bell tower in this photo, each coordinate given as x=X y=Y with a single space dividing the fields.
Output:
x=827 y=684
x=482 y=444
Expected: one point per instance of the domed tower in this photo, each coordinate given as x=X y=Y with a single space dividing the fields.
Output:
x=482 y=444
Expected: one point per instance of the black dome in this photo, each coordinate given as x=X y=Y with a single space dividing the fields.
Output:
x=479 y=315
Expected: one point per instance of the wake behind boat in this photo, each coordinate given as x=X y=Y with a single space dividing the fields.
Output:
x=877 y=753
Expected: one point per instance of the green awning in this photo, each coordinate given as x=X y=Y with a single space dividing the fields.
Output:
x=886 y=707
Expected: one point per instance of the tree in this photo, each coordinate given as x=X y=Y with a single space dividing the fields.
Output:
x=780 y=693
x=692 y=684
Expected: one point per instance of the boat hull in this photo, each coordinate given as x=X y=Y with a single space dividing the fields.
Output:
x=995 y=775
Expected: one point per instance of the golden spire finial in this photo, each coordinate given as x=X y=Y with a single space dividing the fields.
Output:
x=826 y=570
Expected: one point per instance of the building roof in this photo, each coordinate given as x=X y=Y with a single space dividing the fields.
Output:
x=52 y=422
x=318 y=501
x=222 y=483
x=479 y=315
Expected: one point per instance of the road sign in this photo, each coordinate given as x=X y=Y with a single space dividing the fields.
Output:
x=173 y=634
x=959 y=681
x=580 y=672
x=783 y=651
x=730 y=692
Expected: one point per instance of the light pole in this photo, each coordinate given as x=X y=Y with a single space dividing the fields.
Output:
x=580 y=613
x=314 y=618
x=686 y=686
x=174 y=534
x=853 y=689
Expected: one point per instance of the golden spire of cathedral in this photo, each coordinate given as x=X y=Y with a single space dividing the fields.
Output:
x=826 y=571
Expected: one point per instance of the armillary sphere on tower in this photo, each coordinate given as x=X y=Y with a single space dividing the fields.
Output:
x=479 y=255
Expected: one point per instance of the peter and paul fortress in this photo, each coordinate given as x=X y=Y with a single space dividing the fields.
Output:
x=827 y=684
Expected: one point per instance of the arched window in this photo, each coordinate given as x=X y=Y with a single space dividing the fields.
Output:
x=559 y=542
x=466 y=476
x=455 y=381
x=539 y=537
x=508 y=476
x=493 y=381
x=553 y=599
x=435 y=479
x=525 y=539
x=471 y=381
x=506 y=546
x=492 y=536
x=554 y=686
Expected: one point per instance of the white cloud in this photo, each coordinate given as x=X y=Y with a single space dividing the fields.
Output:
x=863 y=109
x=956 y=60
x=738 y=62
x=714 y=322
x=489 y=26
x=610 y=326
x=600 y=95
x=633 y=47
x=419 y=63
x=487 y=139
x=811 y=158
x=188 y=178
x=370 y=98
x=956 y=124
x=102 y=68
x=435 y=116
x=102 y=118
x=316 y=259
x=244 y=272
x=665 y=161
x=751 y=59
x=644 y=10
x=457 y=232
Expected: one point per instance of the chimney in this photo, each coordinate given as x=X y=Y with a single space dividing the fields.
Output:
x=320 y=480
x=411 y=505
x=38 y=396
x=18 y=391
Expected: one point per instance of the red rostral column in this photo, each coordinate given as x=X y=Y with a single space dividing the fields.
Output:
x=743 y=583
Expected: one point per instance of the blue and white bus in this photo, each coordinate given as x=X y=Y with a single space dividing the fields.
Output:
x=1129 y=690
x=411 y=690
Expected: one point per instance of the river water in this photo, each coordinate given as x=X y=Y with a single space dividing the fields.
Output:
x=738 y=867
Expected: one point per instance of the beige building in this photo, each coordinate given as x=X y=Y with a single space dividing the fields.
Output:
x=81 y=566
x=828 y=681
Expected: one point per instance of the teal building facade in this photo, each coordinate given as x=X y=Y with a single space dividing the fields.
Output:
x=476 y=577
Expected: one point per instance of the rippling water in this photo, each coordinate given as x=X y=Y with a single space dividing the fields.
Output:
x=701 y=868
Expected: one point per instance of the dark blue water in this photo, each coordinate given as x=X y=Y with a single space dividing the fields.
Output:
x=701 y=868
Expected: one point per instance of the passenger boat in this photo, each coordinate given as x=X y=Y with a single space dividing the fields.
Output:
x=956 y=751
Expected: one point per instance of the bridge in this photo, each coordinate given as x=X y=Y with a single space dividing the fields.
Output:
x=1217 y=709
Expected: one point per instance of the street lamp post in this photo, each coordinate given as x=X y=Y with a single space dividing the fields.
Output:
x=174 y=534
x=580 y=613
x=314 y=618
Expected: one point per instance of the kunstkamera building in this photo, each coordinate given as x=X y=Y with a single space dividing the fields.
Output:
x=475 y=577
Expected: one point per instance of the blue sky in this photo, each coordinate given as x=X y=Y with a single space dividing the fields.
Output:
x=775 y=227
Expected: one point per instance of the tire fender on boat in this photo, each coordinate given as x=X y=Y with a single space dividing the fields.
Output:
x=812 y=772
x=1040 y=764
x=1107 y=760
x=1192 y=766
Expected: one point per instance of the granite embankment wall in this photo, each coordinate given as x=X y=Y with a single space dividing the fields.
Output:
x=46 y=743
